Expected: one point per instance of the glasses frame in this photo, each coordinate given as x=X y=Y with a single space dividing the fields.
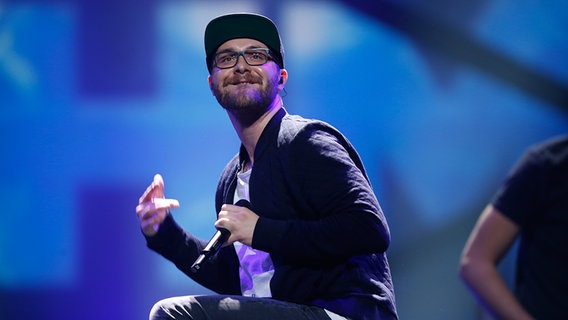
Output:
x=238 y=54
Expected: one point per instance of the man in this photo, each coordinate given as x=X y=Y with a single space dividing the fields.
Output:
x=312 y=242
x=532 y=205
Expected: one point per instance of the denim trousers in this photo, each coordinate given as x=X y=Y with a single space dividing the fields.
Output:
x=221 y=307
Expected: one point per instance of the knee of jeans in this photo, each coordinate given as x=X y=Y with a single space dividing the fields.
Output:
x=158 y=310
x=173 y=308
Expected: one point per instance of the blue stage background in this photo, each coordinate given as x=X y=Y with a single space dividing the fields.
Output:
x=96 y=96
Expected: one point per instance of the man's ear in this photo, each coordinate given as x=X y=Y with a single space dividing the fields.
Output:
x=210 y=83
x=283 y=78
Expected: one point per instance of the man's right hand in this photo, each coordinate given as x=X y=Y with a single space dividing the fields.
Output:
x=152 y=207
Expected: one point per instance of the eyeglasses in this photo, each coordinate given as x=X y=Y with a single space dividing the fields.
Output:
x=253 y=57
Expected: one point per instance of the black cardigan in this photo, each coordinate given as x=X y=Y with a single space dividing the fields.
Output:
x=319 y=220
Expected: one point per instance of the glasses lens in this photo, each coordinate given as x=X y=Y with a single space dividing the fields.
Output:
x=254 y=57
x=226 y=59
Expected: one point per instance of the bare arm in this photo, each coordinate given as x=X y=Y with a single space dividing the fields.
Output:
x=490 y=239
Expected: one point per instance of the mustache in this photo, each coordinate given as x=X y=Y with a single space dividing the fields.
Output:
x=242 y=79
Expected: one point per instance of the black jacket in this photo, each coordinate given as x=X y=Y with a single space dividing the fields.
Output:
x=319 y=220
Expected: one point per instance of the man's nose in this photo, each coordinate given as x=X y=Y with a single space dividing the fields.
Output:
x=241 y=63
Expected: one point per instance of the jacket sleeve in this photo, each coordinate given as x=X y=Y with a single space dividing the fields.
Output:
x=341 y=218
x=182 y=248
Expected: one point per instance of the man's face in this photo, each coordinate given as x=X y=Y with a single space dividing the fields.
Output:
x=244 y=89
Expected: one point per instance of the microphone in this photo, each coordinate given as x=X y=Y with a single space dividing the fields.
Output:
x=216 y=242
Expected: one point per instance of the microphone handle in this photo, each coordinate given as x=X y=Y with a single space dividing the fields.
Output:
x=217 y=241
x=212 y=247
x=220 y=237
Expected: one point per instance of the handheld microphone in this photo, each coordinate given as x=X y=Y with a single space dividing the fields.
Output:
x=216 y=242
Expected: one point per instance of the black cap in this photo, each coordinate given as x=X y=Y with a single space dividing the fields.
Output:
x=242 y=25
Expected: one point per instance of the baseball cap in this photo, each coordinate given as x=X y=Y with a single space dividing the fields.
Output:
x=242 y=25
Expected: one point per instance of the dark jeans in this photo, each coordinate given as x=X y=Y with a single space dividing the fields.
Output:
x=220 y=307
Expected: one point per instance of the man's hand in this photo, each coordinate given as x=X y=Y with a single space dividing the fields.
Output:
x=240 y=221
x=152 y=207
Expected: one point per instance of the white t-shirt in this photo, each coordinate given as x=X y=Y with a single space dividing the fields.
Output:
x=256 y=267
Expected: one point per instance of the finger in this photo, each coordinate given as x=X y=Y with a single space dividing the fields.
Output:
x=162 y=203
x=149 y=192
x=232 y=207
x=157 y=204
x=147 y=195
x=155 y=219
x=151 y=223
x=154 y=190
x=235 y=209
x=222 y=223
x=158 y=186
x=147 y=209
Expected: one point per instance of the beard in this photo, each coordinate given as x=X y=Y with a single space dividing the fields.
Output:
x=247 y=101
